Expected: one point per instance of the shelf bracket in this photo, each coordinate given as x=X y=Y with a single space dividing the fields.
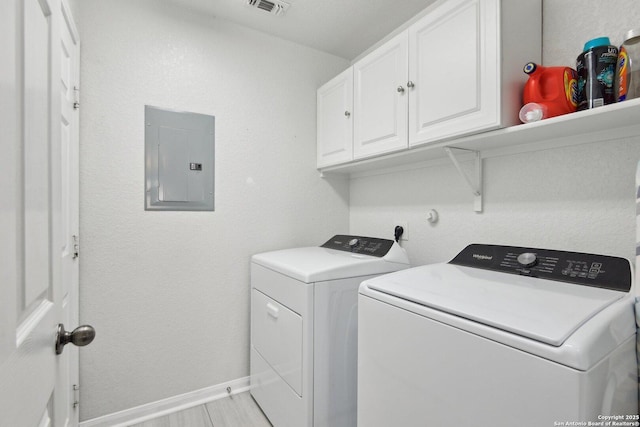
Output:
x=476 y=188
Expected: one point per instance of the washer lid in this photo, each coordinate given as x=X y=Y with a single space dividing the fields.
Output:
x=543 y=310
x=318 y=264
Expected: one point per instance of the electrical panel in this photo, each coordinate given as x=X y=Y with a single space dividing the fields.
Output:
x=179 y=160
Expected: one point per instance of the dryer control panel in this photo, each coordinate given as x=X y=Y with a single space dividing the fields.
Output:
x=359 y=245
x=601 y=271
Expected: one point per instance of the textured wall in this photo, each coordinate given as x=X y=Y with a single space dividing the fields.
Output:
x=568 y=24
x=574 y=198
x=579 y=198
x=168 y=292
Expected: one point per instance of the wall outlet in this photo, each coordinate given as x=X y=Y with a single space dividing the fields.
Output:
x=405 y=226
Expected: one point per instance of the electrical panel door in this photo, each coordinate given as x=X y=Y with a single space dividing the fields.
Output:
x=179 y=160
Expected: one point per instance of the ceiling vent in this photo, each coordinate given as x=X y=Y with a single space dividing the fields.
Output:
x=274 y=7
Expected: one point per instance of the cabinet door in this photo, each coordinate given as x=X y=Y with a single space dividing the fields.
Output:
x=380 y=99
x=454 y=68
x=335 y=120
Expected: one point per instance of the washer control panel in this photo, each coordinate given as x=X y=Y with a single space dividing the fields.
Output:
x=600 y=271
x=359 y=245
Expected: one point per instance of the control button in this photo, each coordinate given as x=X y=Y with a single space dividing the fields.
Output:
x=353 y=243
x=527 y=259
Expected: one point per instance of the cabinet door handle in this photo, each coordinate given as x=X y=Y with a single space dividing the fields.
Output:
x=272 y=310
x=410 y=84
x=400 y=89
x=347 y=114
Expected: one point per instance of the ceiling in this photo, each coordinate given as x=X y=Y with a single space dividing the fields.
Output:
x=344 y=28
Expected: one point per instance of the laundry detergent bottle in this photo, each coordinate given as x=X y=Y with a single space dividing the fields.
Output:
x=549 y=92
x=596 y=67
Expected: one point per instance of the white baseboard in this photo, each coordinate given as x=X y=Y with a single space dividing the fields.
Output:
x=162 y=407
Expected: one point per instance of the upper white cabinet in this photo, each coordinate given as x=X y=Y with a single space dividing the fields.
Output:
x=335 y=120
x=456 y=71
x=380 y=100
x=465 y=66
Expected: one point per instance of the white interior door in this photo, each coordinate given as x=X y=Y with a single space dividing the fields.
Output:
x=30 y=304
x=32 y=295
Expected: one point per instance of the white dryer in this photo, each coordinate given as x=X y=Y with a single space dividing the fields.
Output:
x=304 y=327
x=500 y=336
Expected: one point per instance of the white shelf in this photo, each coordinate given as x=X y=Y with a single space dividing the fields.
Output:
x=583 y=127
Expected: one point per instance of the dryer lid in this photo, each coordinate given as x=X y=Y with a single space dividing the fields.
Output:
x=543 y=310
x=318 y=264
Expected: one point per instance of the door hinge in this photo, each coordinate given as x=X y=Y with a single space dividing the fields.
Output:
x=76 y=247
x=76 y=98
x=76 y=396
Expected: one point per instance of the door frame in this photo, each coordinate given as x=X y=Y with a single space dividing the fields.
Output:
x=67 y=393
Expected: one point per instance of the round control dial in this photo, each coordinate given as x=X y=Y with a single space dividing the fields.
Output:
x=353 y=243
x=527 y=259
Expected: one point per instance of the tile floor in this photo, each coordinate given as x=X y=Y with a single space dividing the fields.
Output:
x=239 y=410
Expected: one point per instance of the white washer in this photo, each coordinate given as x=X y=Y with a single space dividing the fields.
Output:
x=500 y=336
x=304 y=327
